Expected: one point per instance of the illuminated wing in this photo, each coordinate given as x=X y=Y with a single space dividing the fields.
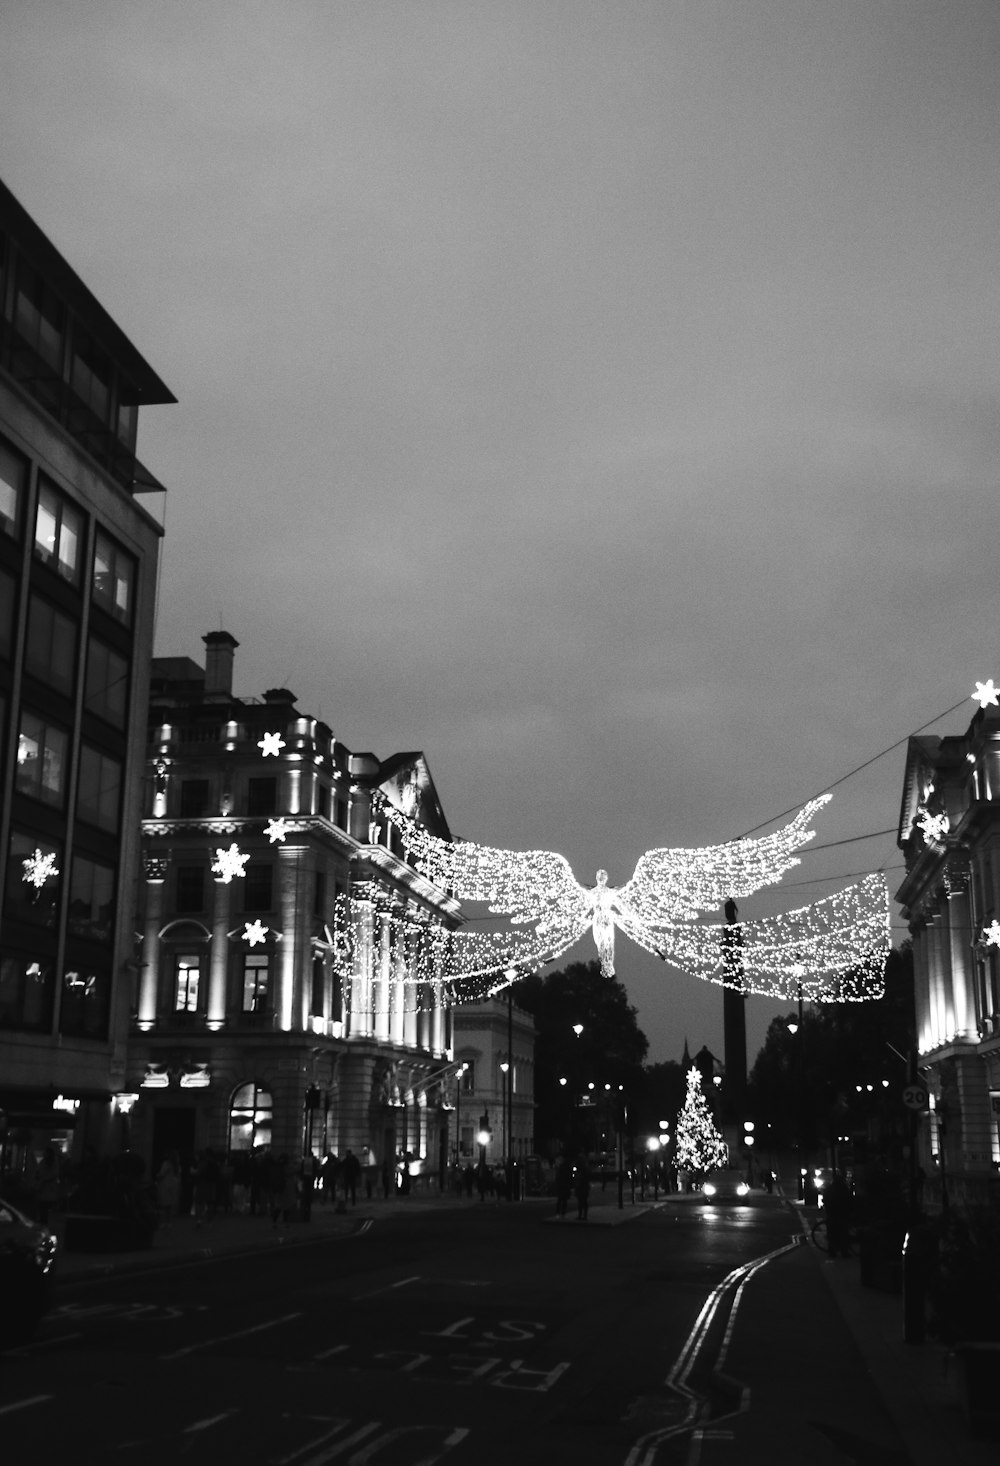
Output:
x=675 y=885
x=833 y=951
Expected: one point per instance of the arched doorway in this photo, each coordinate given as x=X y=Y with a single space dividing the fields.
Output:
x=249 y=1118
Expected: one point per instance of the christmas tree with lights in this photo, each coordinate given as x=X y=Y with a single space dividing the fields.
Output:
x=700 y=1147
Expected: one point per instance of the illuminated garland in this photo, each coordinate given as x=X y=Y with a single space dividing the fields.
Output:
x=834 y=950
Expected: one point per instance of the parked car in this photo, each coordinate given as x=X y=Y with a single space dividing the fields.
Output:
x=725 y=1184
x=27 y=1258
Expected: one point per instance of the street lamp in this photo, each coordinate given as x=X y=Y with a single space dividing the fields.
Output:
x=458 y=1114
x=506 y=1069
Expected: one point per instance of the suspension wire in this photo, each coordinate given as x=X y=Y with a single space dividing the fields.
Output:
x=851 y=772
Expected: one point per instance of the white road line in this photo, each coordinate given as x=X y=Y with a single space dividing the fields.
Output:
x=23 y=1404
x=359 y=1297
x=226 y=1338
x=46 y=1343
x=205 y=1424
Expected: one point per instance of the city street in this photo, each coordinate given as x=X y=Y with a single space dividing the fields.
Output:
x=472 y=1333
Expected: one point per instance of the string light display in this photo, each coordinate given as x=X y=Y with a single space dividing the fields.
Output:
x=991 y=934
x=834 y=950
x=700 y=1147
x=255 y=932
x=229 y=864
x=38 y=867
x=276 y=829
x=271 y=745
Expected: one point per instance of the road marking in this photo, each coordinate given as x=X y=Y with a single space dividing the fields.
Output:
x=23 y=1404
x=46 y=1343
x=321 y=1440
x=258 y=1328
x=359 y=1297
x=211 y=1420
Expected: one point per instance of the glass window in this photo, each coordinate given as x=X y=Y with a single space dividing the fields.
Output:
x=86 y=1001
x=27 y=986
x=99 y=794
x=189 y=894
x=468 y=1078
x=38 y=315
x=50 y=650
x=92 y=900
x=194 y=798
x=317 y=1003
x=8 y=596
x=128 y=424
x=33 y=879
x=114 y=578
x=262 y=796
x=257 y=888
x=187 y=973
x=41 y=760
x=256 y=982
x=58 y=533
x=106 y=687
x=250 y=1119
x=92 y=377
x=13 y=478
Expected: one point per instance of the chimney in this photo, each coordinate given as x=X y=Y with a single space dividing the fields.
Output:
x=219 y=651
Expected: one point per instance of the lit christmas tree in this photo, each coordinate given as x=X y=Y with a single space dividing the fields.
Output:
x=700 y=1147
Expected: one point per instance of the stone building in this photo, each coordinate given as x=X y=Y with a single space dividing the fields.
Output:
x=949 y=831
x=286 y=996
x=78 y=565
x=489 y=1035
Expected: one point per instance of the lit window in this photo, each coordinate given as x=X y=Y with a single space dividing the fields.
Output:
x=256 y=982
x=13 y=477
x=41 y=760
x=187 y=972
x=114 y=578
x=58 y=533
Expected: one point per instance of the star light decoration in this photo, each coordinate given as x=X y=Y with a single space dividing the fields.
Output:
x=991 y=934
x=934 y=826
x=832 y=951
x=38 y=867
x=271 y=744
x=276 y=829
x=229 y=864
x=986 y=695
x=255 y=933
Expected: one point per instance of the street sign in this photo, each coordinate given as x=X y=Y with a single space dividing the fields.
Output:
x=915 y=1097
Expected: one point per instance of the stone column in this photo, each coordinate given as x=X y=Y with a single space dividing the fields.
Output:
x=960 y=935
x=360 y=995
x=219 y=958
x=155 y=871
x=383 y=989
x=294 y=898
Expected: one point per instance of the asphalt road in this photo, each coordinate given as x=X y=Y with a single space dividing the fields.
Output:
x=482 y=1334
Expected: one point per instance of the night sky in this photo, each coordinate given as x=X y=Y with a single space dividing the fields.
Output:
x=601 y=398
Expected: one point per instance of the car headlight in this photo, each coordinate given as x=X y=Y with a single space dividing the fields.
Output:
x=708 y=1189
x=743 y=1189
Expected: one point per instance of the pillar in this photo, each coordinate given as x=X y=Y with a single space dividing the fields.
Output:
x=219 y=954
x=155 y=871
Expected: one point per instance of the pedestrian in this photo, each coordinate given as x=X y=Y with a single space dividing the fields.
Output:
x=483 y=1180
x=352 y=1175
x=564 y=1184
x=581 y=1186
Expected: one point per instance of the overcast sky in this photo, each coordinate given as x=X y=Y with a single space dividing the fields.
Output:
x=600 y=397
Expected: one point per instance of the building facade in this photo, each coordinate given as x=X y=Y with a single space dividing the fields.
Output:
x=78 y=564
x=488 y=1036
x=949 y=831
x=286 y=998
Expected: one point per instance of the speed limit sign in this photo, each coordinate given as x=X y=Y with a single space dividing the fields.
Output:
x=915 y=1097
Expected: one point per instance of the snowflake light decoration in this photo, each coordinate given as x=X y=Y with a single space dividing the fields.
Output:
x=276 y=829
x=38 y=867
x=991 y=934
x=986 y=694
x=229 y=863
x=271 y=744
x=934 y=826
x=255 y=933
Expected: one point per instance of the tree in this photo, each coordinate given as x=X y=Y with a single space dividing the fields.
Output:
x=607 y=1052
x=700 y=1147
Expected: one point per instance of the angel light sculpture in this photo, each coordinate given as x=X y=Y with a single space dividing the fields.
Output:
x=832 y=950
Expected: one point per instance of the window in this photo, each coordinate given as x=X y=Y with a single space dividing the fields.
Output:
x=92 y=377
x=250 y=1119
x=187 y=973
x=27 y=986
x=86 y=1001
x=257 y=888
x=194 y=798
x=256 y=982
x=262 y=796
x=34 y=873
x=105 y=690
x=114 y=578
x=41 y=760
x=92 y=900
x=98 y=798
x=38 y=315
x=8 y=597
x=128 y=424
x=189 y=894
x=50 y=651
x=317 y=1004
x=13 y=478
x=58 y=533
x=468 y=1078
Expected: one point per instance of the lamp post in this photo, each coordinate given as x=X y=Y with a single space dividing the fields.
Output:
x=458 y=1115
x=505 y=1070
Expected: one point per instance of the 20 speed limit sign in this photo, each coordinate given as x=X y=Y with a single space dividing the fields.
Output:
x=915 y=1097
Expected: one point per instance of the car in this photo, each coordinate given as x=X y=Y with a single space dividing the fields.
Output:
x=725 y=1184
x=27 y=1264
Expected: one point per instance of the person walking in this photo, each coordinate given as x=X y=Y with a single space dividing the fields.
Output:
x=564 y=1184
x=352 y=1175
x=581 y=1186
